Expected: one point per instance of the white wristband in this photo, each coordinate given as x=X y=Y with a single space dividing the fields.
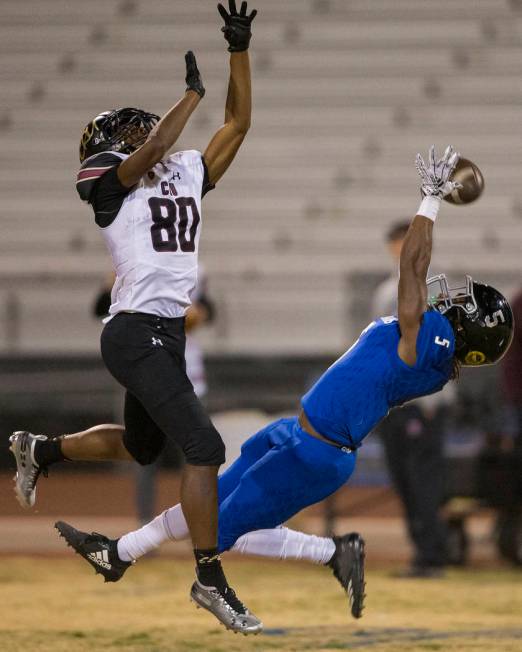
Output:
x=429 y=207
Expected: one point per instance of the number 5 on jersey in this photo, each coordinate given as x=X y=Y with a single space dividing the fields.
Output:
x=171 y=224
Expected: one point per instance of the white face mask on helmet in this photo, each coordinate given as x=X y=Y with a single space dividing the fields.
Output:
x=442 y=297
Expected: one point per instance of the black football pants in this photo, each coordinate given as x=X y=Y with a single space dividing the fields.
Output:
x=146 y=354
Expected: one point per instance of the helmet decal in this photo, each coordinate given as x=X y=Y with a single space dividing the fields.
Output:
x=492 y=320
x=474 y=358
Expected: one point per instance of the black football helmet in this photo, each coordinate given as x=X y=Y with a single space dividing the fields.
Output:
x=116 y=130
x=480 y=316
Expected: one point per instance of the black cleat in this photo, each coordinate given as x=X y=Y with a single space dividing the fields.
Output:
x=99 y=551
x=347 y=564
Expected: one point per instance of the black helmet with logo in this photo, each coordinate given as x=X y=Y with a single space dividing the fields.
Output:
x=119 y=130
x=480 y=316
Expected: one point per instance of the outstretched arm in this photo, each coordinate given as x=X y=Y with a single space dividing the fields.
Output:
x=416 y=249
x=224 y=145
x=165 y=134
x=414 y=264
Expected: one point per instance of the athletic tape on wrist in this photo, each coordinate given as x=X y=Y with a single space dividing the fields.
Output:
x=429 y=207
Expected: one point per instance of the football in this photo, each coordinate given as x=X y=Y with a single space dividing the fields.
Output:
x=469 y=175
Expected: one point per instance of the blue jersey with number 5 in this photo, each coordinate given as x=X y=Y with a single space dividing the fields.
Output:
x=358 y=390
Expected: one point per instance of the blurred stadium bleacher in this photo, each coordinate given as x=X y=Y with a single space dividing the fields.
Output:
x=345 y=94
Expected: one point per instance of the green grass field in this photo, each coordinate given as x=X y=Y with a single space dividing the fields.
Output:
x=59 y=605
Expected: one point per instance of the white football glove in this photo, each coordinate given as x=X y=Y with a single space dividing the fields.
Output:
x=435 y=176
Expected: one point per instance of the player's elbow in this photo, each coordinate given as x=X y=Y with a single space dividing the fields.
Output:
x=241 y=125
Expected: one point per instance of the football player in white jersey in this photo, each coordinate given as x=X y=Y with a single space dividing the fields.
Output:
x=148 y=207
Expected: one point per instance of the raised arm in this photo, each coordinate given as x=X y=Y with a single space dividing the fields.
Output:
x=165 y=134
x=416 y=249
x=224 y=145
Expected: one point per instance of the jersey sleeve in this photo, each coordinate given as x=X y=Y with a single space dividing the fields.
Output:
x=435 y=342
x=98 y=184
x=92 y=170
x=207 y=186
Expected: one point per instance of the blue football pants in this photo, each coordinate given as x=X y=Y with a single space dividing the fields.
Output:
x=281 y=470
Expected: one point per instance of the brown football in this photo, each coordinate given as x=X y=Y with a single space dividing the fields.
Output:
x=468 y=174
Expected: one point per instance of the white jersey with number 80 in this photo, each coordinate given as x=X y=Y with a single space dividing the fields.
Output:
x=153 y=240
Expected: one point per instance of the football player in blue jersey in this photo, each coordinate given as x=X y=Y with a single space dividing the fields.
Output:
x=293 y=463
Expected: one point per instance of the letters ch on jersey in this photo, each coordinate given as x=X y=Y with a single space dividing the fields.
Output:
x=168 y=188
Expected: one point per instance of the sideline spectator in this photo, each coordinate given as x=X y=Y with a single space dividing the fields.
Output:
x=511 y=382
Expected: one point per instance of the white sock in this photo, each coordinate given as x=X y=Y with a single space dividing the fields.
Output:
x=169 y=525
x=278 y=543
x=282 y=543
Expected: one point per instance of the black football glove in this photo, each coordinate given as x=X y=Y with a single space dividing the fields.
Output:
x=237 y=29
x=193 y=78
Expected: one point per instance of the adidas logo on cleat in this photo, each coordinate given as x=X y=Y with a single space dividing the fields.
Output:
x=101 y=559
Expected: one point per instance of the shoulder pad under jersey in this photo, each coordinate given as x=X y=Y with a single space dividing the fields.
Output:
x=92 y=169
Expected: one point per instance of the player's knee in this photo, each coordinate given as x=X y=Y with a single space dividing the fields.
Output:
x=145 y=457
x=143 y=454
x=204 y=447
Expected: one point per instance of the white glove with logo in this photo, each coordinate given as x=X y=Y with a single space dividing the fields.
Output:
x=435 y=175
